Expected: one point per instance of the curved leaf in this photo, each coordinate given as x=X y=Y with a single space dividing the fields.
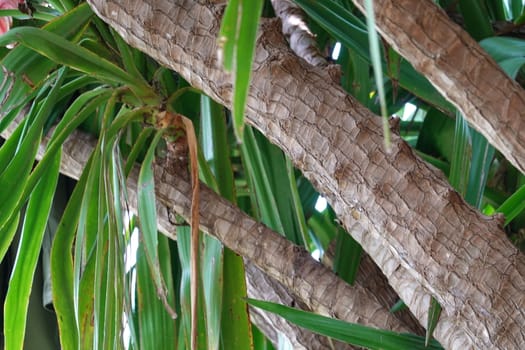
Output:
x=148 y=218
x=17 y=171
x=347 y=332
x=351 y=32
x=24 y=68
x=62 y=267
x=17 y=299
x=64 y=52
x=237 y=38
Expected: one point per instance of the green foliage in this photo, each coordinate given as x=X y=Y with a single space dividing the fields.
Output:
x=434 y=310
x=151 y=316
x=375 y=56
x=350 y=30
x=24 y=68
x=237 y=39
x=74 y=72
x=350 y=333
x=147 y=212
x=224 y=282
x=476 y=18
x=35 y=222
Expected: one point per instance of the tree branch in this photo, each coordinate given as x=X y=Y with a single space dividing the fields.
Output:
x=301 y=39
x=313 y=284
x=302 y=43
x=459 y=68
x=423 y=236
x=352 y=304
x=263 y=287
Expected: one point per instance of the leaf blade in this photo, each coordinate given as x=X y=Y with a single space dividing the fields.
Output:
x=348 y=332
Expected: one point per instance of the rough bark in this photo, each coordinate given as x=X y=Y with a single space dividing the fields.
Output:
x=459 y=68
x=284 y=289
x=263 y=287
x=302 y=43
x=301 y=39
x=372 y=279
x=313 y=284
x=418 y=230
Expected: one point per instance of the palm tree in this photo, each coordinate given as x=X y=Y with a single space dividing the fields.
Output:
x=132 y=109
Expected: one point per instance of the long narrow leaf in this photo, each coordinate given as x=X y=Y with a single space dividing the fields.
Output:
x=26 y=68
x=152 y=317
x=146 y=200
x=375 y=56
x=17 y=299
x=502 y=48
x=8 y=234
x=103 y=298
x=477 y=21
x=237 y=35
x=297 y=207
x=267 y=204
x=351 y=32
x=223 y=273
x=13 y=177
x=461 y=155
x=183 y=245
x=148 y=218
x=513 y=205
x=482 y=156
x=433 y=317
x=62 y=51
x=212 y=285
x=214 y=138
x=85 y=312
x=228 y=34
x=62 y=267
x=126 y=53
x=280 y=189
x=347 y=332
x=347 y=256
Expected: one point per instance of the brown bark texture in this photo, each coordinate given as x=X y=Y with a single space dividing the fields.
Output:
x=370 y=277
x=303 y=44
x=262 y=287
x=313 y=284
x=268 y=270
x=418 y=230
x=301 y=39
x=460 y=70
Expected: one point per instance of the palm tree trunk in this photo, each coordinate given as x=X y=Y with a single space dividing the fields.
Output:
x=423 y=236
x=459 y=68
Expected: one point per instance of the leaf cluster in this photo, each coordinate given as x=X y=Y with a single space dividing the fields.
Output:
x=117 y=282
